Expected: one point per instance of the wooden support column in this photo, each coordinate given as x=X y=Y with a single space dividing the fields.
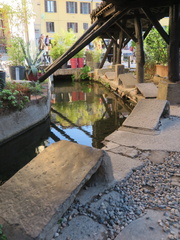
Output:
x=114 y=53
x=140 y=58
x=173 y=50
x=119 y=50
x=106 y=54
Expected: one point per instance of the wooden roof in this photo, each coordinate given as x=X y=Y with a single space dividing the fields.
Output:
x=157 y=8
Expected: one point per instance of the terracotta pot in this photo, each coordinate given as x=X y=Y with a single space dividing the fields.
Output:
x=162 y=70
x=73 y=62
x=80 y=62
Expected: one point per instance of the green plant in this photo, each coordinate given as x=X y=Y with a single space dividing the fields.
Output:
x=61 y=43
x=84 y=72
x=156 y=48
x=2 y=236
x=15 y=51
x=33 y=60
x=149 y=67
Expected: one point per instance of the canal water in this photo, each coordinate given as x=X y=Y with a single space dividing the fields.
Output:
x=82 y=112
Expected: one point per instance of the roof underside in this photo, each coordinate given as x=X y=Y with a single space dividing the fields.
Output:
x=159 y=9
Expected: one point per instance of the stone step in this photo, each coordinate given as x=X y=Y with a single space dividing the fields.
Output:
x=146 y=114
x=35 y=198
x=127 y=80
x=148 y=90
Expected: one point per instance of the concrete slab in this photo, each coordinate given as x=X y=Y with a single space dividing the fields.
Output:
x=146 y=114
x=147 y=227
x=167 y=140
x=110 y=75
x=122 y=166
x=128 y=80
x=33 y=200
x=148 y=90
x=84 y=228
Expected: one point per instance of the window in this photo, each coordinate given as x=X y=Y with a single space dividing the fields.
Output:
x=71 y=7
x=50 y=6
x=85 y=8
x=73 y=26
x=85 y=26
x=50 y=26
x=97 y=4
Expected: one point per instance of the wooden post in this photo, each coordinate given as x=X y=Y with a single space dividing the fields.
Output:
x=173 y=50
x=106 y=54
x=140 y=58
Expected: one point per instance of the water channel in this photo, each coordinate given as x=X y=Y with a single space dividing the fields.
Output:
x=82 y=112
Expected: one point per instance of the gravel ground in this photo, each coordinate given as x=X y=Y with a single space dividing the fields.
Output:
x=153 y=186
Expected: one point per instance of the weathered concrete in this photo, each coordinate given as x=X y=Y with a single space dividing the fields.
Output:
x=122 y=165
x=19 y=121
x=83 y=228
x=145 y=228
x=169 y=91
x=148 y=90
x=33 y=200
x=167 y=140
x=110 y=76
x=127 y=80
x=146 y=114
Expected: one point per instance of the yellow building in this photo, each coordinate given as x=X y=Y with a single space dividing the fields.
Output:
x=54 y=15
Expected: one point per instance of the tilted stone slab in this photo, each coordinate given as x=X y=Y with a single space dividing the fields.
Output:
x=33 y=200
x=127 y=80
x=110 y=75
x=146 y=114
x=148 y=90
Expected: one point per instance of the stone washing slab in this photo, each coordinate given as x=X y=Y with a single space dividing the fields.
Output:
x=148 y=90
x=33 y=200
x=110 y=75
x=146 y=114
x=127 y=80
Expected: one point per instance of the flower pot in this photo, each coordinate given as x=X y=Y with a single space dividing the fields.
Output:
x=162 y=70
x=2 y=80
x=73 y=62
x=80 y=62
x=17 y=72
x=32 y=77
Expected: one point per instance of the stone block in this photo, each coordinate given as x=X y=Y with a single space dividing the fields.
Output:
x=33 y=200
x=127 y=80
x=169 y=91
x=119 y=69
x=148 y=90
x=146 y=114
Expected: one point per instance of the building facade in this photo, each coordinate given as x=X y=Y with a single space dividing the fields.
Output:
x=54 y=15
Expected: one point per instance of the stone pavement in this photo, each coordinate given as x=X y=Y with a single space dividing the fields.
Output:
x=144 y=202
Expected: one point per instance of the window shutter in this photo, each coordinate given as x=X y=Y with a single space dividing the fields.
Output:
x=76 y=27
x=55 y=6
x=89 y=7
x=81 y=7
x=75 y=7
x=45 y=4
x=67 y=10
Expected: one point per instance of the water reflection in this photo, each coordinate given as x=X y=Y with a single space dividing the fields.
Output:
x=17 y=153
x=85 y=112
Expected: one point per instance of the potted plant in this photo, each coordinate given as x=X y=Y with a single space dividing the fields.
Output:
x=33 y=62
x=157 y=49
x=16 y=59
x=60 y=43
x=80 y=58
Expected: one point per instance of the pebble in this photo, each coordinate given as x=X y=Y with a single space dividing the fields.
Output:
x=146 y=188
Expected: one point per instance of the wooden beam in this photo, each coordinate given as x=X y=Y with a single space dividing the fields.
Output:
x=60 y=61
x=126 y=32
x=173 y=50
x=140 y=58
x=147 y=31
x=156 y=24
x=106 y=54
